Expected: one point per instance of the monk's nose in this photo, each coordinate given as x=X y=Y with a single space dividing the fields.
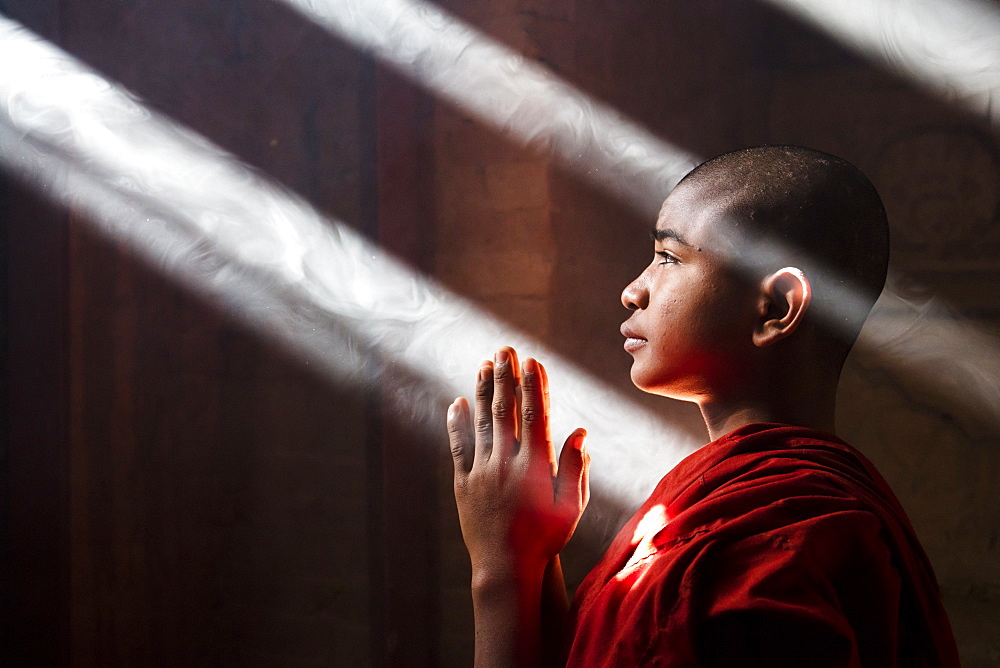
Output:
x=635 y=296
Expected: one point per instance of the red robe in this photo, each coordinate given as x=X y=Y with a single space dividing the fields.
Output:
x=771 y=546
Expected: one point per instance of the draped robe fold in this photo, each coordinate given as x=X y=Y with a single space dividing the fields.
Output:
x=771 y=546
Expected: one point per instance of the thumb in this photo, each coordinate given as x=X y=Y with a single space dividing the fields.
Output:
x=572 y=471
x=459 y=428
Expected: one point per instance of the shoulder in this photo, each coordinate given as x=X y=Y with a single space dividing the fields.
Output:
x=764 y=477
x=798 y=508
x=781 y=546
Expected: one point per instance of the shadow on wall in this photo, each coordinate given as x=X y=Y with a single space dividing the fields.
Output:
x=237 y=493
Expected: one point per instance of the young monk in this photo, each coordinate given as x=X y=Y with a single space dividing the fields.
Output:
x=776 y=544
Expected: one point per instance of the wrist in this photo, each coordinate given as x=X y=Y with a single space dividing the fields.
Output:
x=506 y=579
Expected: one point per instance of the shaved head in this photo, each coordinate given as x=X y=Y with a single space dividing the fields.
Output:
x=809 y=209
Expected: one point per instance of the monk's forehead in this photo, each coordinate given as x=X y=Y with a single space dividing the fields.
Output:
x=699 y=211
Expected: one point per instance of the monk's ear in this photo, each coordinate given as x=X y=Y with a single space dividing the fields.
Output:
x=784 y=299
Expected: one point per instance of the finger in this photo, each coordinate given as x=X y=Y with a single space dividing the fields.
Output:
x=534 y=417
x=460 y=438
x=545 y=393
x=516 y=368
x=572 y=469
x=484 y=413
x=504 y=406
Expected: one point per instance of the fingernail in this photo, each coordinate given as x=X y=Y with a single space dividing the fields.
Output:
x=453 y=410
x=502 y=357
x=484 y=373
x=529 y=366
x=578 y=442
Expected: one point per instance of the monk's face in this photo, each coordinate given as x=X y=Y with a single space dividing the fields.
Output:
x=690 y=333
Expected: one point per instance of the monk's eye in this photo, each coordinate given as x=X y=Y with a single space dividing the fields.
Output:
x=667 y=258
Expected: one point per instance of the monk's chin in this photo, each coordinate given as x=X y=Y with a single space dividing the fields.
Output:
x=665 y=386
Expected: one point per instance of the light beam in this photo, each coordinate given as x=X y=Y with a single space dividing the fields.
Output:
x=949 y=46
x=321 y=289
x=312 y=284
x=937 y=355
x=508 y=92
x=953 y=46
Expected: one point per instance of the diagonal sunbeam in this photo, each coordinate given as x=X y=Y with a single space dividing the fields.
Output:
x=508 y=92
x=940 y=358
x=334 y=299
x=527 y=102
x=266 y=256
x=949 y=46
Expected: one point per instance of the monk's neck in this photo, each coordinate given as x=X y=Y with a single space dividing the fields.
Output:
x=814 y=410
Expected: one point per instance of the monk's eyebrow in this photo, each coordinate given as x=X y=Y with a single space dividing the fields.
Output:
x=663 y=233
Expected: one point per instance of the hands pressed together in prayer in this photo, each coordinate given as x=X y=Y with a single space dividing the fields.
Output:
x=518 y=506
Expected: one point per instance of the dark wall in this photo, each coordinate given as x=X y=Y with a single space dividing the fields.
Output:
x=179 y=490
